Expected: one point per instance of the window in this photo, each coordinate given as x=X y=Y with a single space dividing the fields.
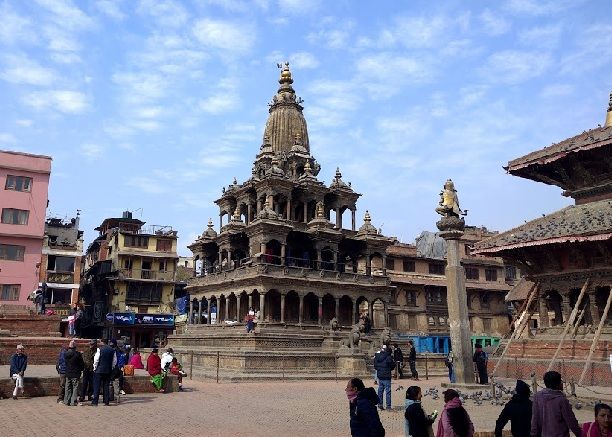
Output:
x=11 y=252
x=431 y=321
x=408 y=265
x=510 y=273
x=18 y=183
x=491 y=274
x=390 y=264
x=441 y=321
x=136 y=241
x=12 y=216
x=467 y=249
x=163 y=265
x=9 y=291
x=411 y=298
x=486 y=325
x=60 y=263
x=484 y=301
x=472 y=273
x=436 y=268
x=165 y=245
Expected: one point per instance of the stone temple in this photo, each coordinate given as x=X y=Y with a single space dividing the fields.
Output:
x=285 y=250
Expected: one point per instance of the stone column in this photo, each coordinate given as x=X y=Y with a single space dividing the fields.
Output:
x=300 y=316
x=226 y=315
x=305 y=212
x=384 y=264
x=593 y=306
x=338 y=309
x=353 y=225
x=336 y=260
x=190 y=311
x=250 y=301
x=262 y=298
x=208 y=312
x=289 y=209
x=249 y=211
x=543 y=310
x=283 y=248
x=200 y=311
x=370 y=311
x=338 y=218
x=220 y=257
x=452 y=230
x=355 y=318
x=368 y=264
x=318 y=265
x=320 y=310
x=566 y=308
x=283 y=308
x=238 y=308
x=262 y=250
x=220 y=222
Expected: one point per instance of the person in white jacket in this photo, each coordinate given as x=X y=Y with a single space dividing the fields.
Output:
x=166 y=359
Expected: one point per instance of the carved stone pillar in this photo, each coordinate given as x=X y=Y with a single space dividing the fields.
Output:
x=566 y=308
x=318 y=265
x=250 y=301
x=190 y=312
x=336 y=260
x=200 y=311
x=338 y=218
x=262 y=250
x=238 y=308
x=384 y=264
x=220 y=222
x=338 y=309
x=368 y=264
x=301 y=318
x=262 y=299
x=289 y=209
x=305 y=212
x=320 y=310
x=208 y=312
x=283 y=248
x=370 y=310
x=354 y=318
x=353 y=223
x=593 y=306
x=226 y=315
x=283 y=308
x=249 y=212
x=543 y=309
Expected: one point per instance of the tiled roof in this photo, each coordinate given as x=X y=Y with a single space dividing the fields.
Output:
x=520 y=291
x=587 y=222
x=590 y=139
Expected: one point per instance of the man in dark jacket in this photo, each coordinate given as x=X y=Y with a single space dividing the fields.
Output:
x=398 y=357
x=517 y=411
x=87 y=381
x=104 y=362
x=383 y=363
x=480 y=359
x=362 y=410
x=418 y=422
x=552 y=413
x=74 y=367
x=412 y=361
x=61 y=370
x=19 y=363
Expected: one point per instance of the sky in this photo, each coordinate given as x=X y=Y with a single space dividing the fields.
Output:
x=153 y=106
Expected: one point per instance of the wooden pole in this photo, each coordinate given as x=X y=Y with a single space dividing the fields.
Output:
x=602 y=322
x=533 y=292
x=191 y=365
x=217 y=367
x=569 y=324
x=426 y=368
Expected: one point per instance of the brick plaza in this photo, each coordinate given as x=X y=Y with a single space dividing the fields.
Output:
x=309 y=408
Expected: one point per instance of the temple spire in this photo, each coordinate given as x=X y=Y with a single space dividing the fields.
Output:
x=609 y=114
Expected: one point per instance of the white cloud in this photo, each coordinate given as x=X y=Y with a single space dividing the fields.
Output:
x=146 y=184
x=110 y=8
x=91 y=151
x=219 y=103
x=13 y=27
x=541 y=7
x=167 y=13
x=22 y=70
x=592 y=49
x=240 y=5
x=545 y=37
x=298 y=7
x=24 y=122
x=224 y=35
x=513 y=66
x=556 y=90
x=60 y=40
x=494 y=24
x=66 y=15
x=69 y=102
x=334 y=34
x=303 y=60
x=141 y=87
x=6 y=138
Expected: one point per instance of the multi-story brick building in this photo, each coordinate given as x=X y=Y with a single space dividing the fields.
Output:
x=419 y=305
x=60 y=267
x=129 y=280
x=24 y=180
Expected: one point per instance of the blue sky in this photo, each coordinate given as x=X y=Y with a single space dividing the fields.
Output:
x=154 y=105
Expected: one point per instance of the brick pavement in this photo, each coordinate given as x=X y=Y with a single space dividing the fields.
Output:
x=312 y=408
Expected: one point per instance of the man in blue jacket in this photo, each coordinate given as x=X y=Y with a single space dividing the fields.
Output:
x=384 y=363
x=61 y=370
x=105 y=361
x=19 y=363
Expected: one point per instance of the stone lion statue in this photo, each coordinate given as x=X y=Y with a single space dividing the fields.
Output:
x=353 y=338
x=385 y=336
x=333 y=325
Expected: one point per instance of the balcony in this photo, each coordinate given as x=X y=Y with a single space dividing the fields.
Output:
x=60 y=277
x=146 y=274
x=159 y=230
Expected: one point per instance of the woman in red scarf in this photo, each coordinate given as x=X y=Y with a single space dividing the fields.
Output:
x=454 y=420
x=602 y=427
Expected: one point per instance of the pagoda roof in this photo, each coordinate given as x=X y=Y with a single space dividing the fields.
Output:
x=588 y=140
x=520 y=291
x=576 y=223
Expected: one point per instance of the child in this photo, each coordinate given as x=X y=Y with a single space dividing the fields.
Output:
x=176 y=369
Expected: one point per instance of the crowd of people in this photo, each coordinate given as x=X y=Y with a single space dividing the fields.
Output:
x=547 y=413
x=100 y=369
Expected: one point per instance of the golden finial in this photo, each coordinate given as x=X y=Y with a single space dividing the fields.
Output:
x=210 y=223
x=285 y=76
x=367 y=217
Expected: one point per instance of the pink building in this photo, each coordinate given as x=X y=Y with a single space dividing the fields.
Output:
x=24 y=184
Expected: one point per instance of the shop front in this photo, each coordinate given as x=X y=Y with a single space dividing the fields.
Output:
x=140 y=330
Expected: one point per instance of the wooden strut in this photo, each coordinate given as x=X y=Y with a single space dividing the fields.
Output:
x=519 y=330
x=578 y=321
x=602 y=322
x=569 y=323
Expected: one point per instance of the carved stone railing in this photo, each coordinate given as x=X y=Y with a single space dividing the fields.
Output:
x=255 y=270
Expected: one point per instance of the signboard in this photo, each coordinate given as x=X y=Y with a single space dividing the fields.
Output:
x=155 y=319
x=124 y=318
x=213 y=318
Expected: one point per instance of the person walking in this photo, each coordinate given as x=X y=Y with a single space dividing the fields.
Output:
x=412 y=361
x=19 y=364
x=364 y=419
x=418 y=424
x=480 y=359
x=88 y=371
x=384 y=364
x=552 y=414
x=105 y=360
x=449 y=361
x=60 y=367
x=74 y=367
x=398 y=357
x=250 y=324
x=454 y=420
x=517 y=411
x=602 y=426
x=78 y=321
